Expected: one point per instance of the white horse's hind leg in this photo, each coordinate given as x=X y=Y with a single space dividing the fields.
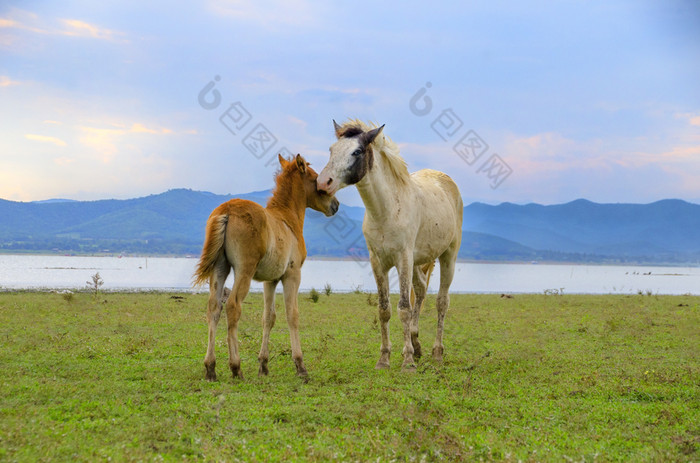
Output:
x=269 y=317
x=447 y=270
x=405 y=270
x=214 y=307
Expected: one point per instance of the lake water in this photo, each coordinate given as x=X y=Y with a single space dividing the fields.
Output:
x=165 y=273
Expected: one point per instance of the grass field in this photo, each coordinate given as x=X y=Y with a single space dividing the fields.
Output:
x=532 y=378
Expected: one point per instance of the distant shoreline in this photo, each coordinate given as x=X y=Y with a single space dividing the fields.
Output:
x=351 y=259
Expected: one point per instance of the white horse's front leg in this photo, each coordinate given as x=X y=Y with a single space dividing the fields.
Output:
x=382 y=278
x=447 y=270
x=420 y=285
x=405 y=269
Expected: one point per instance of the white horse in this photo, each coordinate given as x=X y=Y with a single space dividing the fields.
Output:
x=410 y=220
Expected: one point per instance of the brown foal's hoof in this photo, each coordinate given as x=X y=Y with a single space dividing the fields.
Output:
x=303 y=375
x=263 y=371
x=210 y=373
x=301 y=369
x=236 y=372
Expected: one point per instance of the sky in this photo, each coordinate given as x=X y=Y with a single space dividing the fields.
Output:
x=532 y=101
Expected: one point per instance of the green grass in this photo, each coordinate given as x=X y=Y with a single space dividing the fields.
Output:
x=532 y=378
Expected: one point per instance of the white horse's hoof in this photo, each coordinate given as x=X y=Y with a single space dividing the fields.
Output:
x=409 y=368
x=381 y=365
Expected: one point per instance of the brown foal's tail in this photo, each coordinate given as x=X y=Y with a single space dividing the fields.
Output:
x=213 y=247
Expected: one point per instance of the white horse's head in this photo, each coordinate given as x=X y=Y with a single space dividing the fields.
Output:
x=351 y=157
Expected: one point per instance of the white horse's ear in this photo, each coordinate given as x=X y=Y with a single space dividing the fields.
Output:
x=337 y=129
x=301 y=164
x=368 y=137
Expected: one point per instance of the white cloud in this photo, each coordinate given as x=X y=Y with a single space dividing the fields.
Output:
x=691 y=118
x=45 y=139
x=77 y=28
x=22 y=20
x=5 y=81
x=140 y=128
x=298 y=122
x=107 y=142
x=268 y=13
x=101 y=141
x=62 y=161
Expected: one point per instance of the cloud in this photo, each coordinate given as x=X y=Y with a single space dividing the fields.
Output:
x=26 y=21
x=692 y=118
x=298 y=122
x=642 y=168
x=139 y=128
x=103 y=141
x=19 y=19
x=77 y=28
x=5 y=81
x=106 y=140
x=62 y=161
x=268 y=13
x=336 y=96
x=45 y=139
x=682 y=154
x=550 y=152
x=542 y=146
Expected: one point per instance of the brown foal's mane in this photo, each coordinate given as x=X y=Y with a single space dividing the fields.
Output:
x=286 y=196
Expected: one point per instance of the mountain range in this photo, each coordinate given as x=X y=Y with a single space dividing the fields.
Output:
x=172 y=223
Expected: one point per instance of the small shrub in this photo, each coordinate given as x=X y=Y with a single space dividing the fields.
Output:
x=327 y=289
x=314 y=295
x=95 y=284
x=68 y=296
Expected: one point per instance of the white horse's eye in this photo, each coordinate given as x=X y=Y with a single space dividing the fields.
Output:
x=357 y=152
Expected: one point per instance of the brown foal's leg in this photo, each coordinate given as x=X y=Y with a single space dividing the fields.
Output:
x=268 y=321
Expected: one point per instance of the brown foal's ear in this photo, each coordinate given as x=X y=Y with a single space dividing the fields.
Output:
x=301 y=164
x=283 y=162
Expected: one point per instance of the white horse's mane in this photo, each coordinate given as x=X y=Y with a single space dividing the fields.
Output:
x=385 y=146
